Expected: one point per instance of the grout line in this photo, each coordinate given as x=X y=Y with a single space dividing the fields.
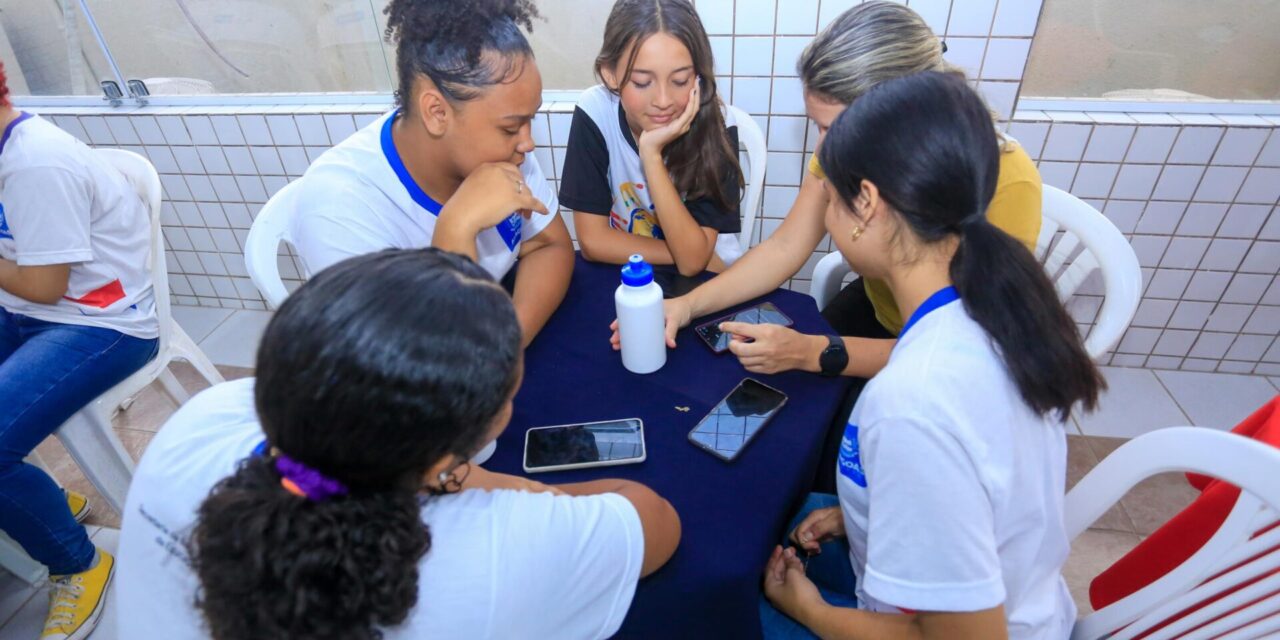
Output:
x=1171 y=396
x=219 y=325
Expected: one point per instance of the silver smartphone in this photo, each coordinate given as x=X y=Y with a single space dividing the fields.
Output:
x=579 y=446
x=735 y=421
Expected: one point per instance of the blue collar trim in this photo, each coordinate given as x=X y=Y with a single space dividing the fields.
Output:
x=939 y=299
x=9 y=129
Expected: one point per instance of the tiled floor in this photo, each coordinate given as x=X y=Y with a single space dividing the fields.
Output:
x=1138 y=401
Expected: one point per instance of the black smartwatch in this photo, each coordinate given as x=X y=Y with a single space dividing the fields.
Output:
x=834 y=358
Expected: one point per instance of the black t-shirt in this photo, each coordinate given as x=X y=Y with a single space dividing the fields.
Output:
x=603 y=174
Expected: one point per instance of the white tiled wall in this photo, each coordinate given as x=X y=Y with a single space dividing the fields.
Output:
x=1196 y=194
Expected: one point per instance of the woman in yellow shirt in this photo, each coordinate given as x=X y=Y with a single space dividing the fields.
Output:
x=866 y=45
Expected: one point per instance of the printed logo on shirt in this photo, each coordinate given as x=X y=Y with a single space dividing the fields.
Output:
x=850 y=460
x=638 y=220
x=102 y=297
x=510 y=230
x=4 y=225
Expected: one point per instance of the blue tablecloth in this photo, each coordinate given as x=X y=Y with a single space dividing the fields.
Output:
x=732 y=513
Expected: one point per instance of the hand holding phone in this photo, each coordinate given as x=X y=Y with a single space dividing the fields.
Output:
x=764 y=313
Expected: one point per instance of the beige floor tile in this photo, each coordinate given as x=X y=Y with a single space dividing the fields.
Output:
x=1155 y=500
x=1080 y=460
x=1091 y=553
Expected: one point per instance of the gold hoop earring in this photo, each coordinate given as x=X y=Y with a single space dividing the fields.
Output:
x=857 y=233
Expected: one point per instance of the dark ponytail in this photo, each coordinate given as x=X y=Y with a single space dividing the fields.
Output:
x=926 y=142
x=368 y=387
x=445 y=40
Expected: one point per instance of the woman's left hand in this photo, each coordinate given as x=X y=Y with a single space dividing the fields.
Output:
x=653 y=142
x=787 y=587
x=773 y=347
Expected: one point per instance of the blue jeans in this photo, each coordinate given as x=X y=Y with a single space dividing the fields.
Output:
x=48 y=372
x=829 y=570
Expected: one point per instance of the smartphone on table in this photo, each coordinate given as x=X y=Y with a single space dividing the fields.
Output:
x=579 y=446
x=735 y=421
x=763 y=313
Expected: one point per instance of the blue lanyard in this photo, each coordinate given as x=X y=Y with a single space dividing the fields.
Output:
x=9 y=129
x=940 y=298
x=509 y=229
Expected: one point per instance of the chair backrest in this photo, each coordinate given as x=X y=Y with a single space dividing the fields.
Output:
x=146 y=182
x=262 y=247
x=1232 y=583
x=1089 y=242
x=752 y=138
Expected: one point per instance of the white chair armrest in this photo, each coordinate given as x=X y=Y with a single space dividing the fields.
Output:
x=828 y=274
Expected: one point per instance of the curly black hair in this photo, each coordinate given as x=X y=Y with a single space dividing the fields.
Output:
x=446 y=40
x=371 y=387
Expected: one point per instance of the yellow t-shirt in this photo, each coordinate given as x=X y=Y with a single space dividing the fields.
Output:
x=1015 y=208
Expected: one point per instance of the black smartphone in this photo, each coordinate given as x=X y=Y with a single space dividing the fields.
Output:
x=763 y=313
x=579 y=446
x=736 y=420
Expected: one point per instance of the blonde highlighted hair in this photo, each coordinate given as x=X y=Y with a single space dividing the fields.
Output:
x=870 y=44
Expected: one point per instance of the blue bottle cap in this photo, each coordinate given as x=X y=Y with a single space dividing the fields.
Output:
x=637 y=272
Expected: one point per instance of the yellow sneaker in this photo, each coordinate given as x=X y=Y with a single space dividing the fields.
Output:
x=78 y=504
x=76 y=601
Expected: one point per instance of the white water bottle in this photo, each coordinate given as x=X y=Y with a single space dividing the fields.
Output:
x=640 y=319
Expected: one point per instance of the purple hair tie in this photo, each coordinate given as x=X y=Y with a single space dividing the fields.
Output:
x=301 y=480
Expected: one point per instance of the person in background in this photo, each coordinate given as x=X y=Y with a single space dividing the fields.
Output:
x=652 y=163
x=948 y=518
x=77 y=316
x=332 y=498
x=452 y=166
x=866 y=45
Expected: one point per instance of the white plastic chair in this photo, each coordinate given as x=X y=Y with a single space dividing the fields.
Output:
x=262 y=247
x=88 y=435
x=752 y=138
x=1234 y=555
x=1089 y=242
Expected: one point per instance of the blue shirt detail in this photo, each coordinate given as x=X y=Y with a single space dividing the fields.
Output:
x=850 y=460
x=4 y=225
x=509 y=229
x=940 y=298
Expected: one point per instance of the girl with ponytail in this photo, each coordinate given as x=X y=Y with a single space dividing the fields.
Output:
x=332 y=497
x=951 y=473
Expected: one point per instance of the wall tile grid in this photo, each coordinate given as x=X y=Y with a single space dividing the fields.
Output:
x=220 y=164
x=1196 y=194
x=1197 y=197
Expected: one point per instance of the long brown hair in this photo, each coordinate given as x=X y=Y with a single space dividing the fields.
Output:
x=699 y=159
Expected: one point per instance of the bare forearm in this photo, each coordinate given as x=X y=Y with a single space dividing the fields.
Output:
x=541 y=284
x=691 y=248
x=844 y=623
x=768 y=265
x=41 y=285
x=615 y=246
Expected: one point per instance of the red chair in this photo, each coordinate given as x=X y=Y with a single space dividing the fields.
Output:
x=1212 y=571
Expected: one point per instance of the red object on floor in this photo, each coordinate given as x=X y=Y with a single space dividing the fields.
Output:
x=1187 y=532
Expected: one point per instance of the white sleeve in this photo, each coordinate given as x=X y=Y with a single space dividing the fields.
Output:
x=931 y=542
x=326 y=231
x=48 y=210
x=542 y=190
x=572 y=562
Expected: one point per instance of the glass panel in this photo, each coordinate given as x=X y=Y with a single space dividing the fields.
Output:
x=567 y=41
x=1157 y=49
x=49 y=50
x=245 y=46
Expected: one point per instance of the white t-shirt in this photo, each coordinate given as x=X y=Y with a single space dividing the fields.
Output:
x=358 y=198
x=62 y=204
x=603 y=175
x=952 y=488
x=502 y=564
